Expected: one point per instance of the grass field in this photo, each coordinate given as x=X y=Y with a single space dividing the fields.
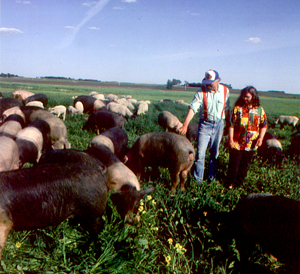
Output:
x=174 y=234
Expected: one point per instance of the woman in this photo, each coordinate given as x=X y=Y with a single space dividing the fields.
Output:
x=248 y=126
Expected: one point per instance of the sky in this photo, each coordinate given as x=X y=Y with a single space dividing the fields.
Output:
x=253 y=42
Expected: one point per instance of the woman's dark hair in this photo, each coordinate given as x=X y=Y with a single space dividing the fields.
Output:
x=255 y=99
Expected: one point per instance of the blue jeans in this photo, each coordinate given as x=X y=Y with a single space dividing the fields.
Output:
x=209 y=133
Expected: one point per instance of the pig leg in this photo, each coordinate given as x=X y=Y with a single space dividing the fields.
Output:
x=5 y=227
x=175 y=180
x=183 y=178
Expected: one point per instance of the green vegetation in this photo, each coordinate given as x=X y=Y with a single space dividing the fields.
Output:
x=174 y=234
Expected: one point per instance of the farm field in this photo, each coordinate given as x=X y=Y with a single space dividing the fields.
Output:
x=175 y=234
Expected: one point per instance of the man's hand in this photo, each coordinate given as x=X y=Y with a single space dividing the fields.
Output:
x=182 y=130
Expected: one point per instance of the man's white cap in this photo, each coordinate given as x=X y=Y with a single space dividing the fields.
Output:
x=210 y=77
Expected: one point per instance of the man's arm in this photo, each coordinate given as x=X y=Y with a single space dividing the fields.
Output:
x=186 y=122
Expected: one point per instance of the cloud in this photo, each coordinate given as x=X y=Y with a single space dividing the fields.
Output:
x=129 y=1
x=118 y=8
x=254 y=40
x=94 y=10
x=9 y=31
x=89 y=4
x=93 y=28
x=24 y=2
x=69 y=27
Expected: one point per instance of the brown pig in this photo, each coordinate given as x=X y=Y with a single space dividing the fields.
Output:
x=168 y=121
x=164 y=149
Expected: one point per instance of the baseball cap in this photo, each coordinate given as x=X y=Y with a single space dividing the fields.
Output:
x=210 y=77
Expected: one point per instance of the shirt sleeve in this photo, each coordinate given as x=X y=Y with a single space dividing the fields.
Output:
x=233 y=117
x=197 y=101
x=263 y=119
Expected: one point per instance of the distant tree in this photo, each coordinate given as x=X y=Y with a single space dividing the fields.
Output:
x=176 y=82
x=195 y=84
x=8 y=75
x=169 y=84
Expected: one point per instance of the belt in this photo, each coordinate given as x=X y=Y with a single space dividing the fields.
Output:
x=212 y=121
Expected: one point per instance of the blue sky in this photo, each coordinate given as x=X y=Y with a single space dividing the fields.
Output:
x=248 y=42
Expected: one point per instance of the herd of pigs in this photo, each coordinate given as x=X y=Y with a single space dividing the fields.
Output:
x=48 y=192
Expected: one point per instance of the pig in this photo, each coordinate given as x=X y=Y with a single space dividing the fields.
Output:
x=118 y=174
x=22 y=94
x=37 y=97
x=73 y=156
x=92 y=93
x=12 y=125
x=44 y=128
x=99 y=96
x=79 y=107
x=271 y=150
x=192 y=132
x=164 y=149
x=7 y=103
x=46 y=195
x=9 y=154
x=142 y=108
x=122 y=181
x=168 y=121
x=294 y=148
x=273 y=222
x=126 y=103
x=72 y=110
x=112 y=97
x=13 y=110
x=58 y=130
x=36 y=104
x=286 y=120
x=120 y=109
x=30 y=143
x=117 y=138
x=58 y=111
x=90 y=103
x=104 y=119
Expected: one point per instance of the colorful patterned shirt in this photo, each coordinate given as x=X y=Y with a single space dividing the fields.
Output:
x=246 y=123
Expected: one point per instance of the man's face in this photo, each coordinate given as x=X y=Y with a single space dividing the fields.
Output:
x=213 y=86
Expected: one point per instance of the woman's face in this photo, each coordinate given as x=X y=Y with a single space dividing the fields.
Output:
x=247 y=99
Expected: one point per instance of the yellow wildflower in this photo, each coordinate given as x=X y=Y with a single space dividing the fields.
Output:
x=170 y=241
x=149 y=197
x=205 y=213
x=18 y=244
x=153 y=202
x=168 y=260
x=141 y=208
x=180 y=249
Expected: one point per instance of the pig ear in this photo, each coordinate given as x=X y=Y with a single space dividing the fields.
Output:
x=146 y=191
x=86 y=118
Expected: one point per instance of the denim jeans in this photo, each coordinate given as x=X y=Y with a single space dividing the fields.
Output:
x=209 y=133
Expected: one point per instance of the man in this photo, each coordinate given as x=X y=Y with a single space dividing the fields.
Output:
x=213 y=101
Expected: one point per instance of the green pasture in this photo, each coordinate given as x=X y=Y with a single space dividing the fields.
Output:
x=175 y=234
x=275 y=106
